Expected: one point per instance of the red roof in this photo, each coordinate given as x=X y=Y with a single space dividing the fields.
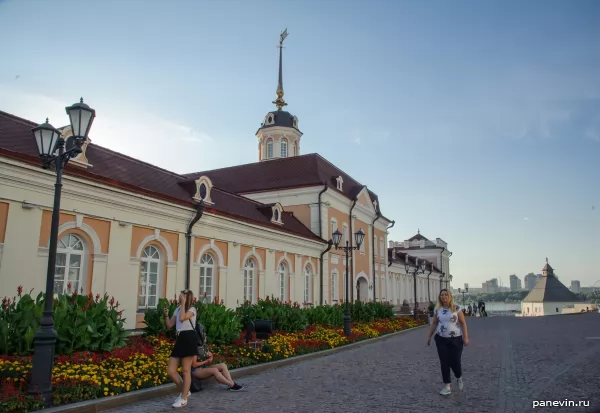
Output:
x=16 y=141
x=284 y=173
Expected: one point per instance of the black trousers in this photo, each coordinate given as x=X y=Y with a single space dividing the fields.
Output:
x=450 y=353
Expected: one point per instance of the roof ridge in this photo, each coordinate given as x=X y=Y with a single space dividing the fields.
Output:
x=347 y=174
x=189 y=175
x=237 y=195
x=17 y=118
x=138 y=161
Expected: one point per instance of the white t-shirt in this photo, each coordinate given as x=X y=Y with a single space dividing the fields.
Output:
x=448 y=325
x=185 y=325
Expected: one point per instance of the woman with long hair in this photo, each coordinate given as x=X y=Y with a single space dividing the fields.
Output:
x=185 y=350
x=451 y=335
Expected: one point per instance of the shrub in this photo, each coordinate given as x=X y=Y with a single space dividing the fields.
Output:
x=82 y=322
x=220 y=323
x=286 y=316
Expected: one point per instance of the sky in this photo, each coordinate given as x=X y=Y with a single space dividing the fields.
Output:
x=475 y=122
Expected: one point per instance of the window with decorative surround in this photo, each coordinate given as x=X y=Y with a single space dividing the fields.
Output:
x=269 y=148
x=249 y=270
x=307 y=284
x=204 y=190
x=283 y=276
x=283 y=147
x=70 y=260
x=277 y=217
x=207 y=278
x=150 y=267
x=334 y=284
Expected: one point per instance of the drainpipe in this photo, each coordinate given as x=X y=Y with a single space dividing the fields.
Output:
x=389 y=263
x=351 y=236
x=188 y=241
x=329 y=245
x=321 y=223
x=377 y=216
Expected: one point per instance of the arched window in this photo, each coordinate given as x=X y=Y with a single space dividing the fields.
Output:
x=269 y=148
x=149 y=277
x=294 y=149
x=283 y=275
x=69 y=264
x=333 y=226
x=307 y=284
x=249 y=280
x=283 y=145
x=207 y=272
x=334 y=283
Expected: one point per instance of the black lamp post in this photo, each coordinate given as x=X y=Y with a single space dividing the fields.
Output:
x=463 y=292
x=428 y=283
x=418 y=268
x=49 y=141
x=359 y=237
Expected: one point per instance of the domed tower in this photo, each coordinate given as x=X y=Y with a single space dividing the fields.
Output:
x=278 y=135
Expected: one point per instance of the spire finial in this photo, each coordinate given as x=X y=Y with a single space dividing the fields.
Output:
x=279 y=102
x=546 y=260
x=418 y=230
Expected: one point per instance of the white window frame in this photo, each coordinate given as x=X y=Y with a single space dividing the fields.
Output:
x=334 y=226
x=269 y=148
x=66 y=248
x=307 y=284
x=249 y=278
x=282 y=272
x=283 y=146
x=335 y=296
x=204 y=267
x=144 y=279
x=381 y=248
x=345 y=234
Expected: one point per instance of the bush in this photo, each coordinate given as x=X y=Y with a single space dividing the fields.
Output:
x=82 y=322
x=287 y=317
x=220 y=323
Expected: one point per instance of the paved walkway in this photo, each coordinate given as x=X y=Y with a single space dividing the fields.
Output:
x=510 y=363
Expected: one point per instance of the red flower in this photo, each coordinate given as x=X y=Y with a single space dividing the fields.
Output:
x=19 y=290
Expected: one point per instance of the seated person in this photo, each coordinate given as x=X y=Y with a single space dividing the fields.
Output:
x=201 y=370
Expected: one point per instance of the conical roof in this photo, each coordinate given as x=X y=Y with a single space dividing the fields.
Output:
x=549 y=289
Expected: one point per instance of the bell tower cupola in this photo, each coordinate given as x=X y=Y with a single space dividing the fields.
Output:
x=278 y=135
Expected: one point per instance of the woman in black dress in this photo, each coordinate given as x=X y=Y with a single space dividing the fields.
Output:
x=185 y=349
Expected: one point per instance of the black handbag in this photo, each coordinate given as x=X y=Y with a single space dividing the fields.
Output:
x=202 y=345
x=196 y=385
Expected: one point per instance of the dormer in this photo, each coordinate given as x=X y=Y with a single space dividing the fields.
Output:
x=81 y=159
x=277 y=214
x=340 y=183
x=203 y=190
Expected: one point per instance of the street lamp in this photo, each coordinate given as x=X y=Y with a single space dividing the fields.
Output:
x=48 y=141
x=359 y=236
x=418 y=268
x=463 y=292
x=428 y=283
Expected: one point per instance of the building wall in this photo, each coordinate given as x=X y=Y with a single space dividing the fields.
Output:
x=115 y=227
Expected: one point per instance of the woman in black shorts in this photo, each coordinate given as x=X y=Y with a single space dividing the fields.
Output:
x=185 y=349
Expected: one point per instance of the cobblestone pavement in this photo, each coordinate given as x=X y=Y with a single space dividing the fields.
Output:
x=510 y=363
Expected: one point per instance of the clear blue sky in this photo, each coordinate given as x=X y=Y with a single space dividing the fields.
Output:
x=477 y=122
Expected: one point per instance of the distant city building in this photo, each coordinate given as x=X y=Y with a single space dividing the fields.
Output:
x=530 y=281
x=575 y=286
x=515 y=283
x=490 y=286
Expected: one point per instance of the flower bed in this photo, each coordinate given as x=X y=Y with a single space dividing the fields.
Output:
x=143 y=363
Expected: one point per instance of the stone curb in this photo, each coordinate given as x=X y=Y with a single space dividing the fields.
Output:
x=136 y=396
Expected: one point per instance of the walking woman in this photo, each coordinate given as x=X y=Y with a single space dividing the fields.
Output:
x=185 y=349
x=451 y=334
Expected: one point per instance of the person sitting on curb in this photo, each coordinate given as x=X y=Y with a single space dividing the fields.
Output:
x=201 y=371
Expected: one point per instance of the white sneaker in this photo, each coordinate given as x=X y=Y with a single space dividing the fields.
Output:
x=179 y=398
x=445 y=391
x=180 y=403
x=460 y=384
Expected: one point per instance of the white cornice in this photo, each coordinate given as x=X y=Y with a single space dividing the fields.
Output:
x=265 y=195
